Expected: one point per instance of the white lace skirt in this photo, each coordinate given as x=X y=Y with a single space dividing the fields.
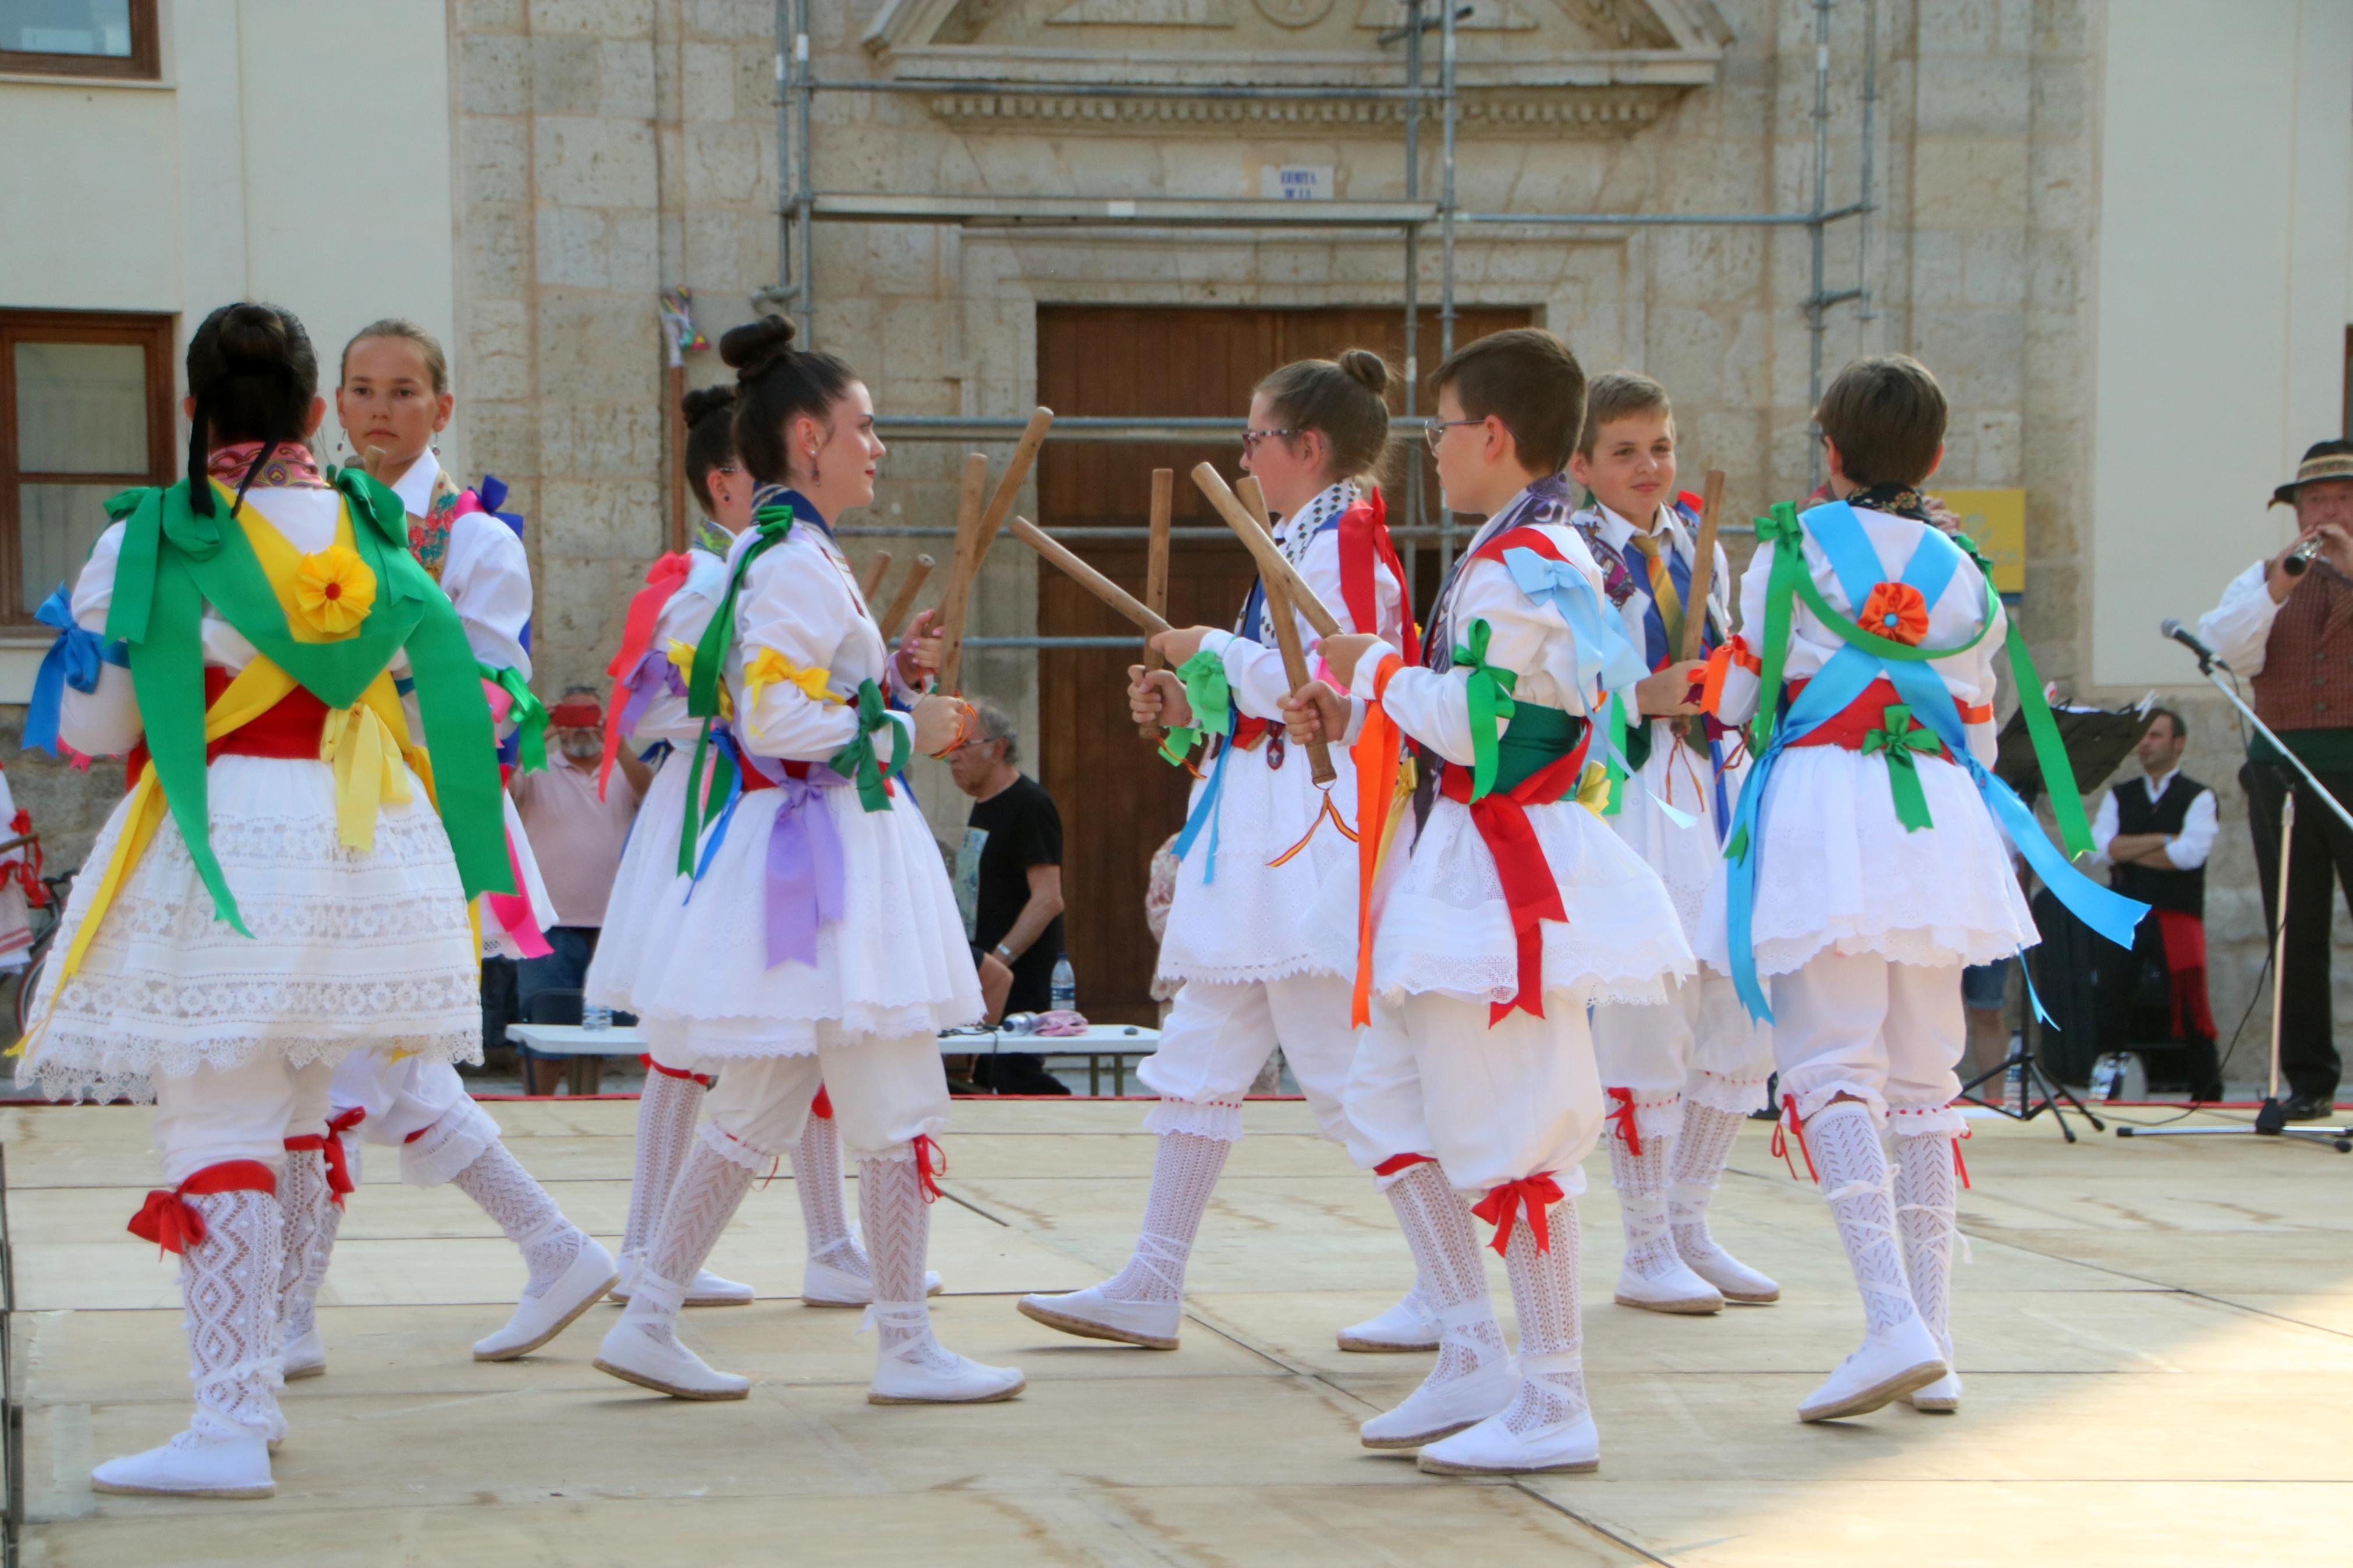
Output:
x=896 y=963
x=1443 y=925
x=348 y=950
x=1685 y=857
x=1248 y=923
x=636 y=940
x=1836 y=869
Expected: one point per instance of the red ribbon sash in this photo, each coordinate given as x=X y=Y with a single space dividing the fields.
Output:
x=663 y=579
x=1502 y=819
x=647 y=1062
x=1789 y=1127
x=172 y=1223
x=1624 y=1117
x=1532 y=1195
x=1365 y=544
x=1396 y=1163
x=931 y=1164
x=330 y=1150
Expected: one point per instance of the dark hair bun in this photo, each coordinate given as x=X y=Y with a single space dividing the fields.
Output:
x=254 y=341
x=756 y=345
x=705 y=400
x=1366 y=368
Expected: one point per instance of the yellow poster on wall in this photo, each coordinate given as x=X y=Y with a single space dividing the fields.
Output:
x=1996 y=520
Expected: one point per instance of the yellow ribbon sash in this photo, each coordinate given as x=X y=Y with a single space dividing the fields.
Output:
x=769 y=668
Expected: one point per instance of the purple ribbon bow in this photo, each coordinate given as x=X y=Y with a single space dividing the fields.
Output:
x=804 y=871
x=651 y=676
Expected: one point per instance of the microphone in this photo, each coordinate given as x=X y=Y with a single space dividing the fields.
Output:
x=2189 y=639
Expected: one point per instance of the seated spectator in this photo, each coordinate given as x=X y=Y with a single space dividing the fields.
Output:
x=1009 y=880
x=577 y=839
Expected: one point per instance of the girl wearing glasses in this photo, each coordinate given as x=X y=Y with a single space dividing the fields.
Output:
x=1255 y=849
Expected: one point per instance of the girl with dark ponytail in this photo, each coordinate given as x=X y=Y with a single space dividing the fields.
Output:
x=279 y=889
x=821 y=945
x=1253 y=963
x=647 y=709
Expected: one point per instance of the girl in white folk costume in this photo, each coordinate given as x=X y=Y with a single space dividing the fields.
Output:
x=817 y=942
x=1680 y=1079
x=1868 y=861
x=1515 y=908
x=279 y=889
x=665 y=621
x=392 y=396
x=1255 y=848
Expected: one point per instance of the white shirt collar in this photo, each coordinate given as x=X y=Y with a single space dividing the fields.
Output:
x=2157 y=784
x=1619 y=532
x=415 y=488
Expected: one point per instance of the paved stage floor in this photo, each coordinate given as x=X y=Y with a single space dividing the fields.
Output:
x=2158 y=1338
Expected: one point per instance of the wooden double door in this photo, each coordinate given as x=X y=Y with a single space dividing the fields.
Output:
x=1119 y=802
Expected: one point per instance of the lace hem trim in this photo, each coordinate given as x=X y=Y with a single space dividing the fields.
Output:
x=735 y=1151
x=127 y=1068
x=1220 y=1120
x=463 y=1135
x=1926 y=1120
x=1734 y=1096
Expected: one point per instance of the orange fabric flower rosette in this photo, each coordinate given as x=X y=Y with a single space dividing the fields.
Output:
x=1895 y=611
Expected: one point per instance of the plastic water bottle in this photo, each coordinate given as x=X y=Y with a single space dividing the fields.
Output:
x=1066 y=985
x=595 y=1017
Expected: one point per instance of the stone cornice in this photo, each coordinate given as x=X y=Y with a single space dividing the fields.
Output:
x=1599 y=112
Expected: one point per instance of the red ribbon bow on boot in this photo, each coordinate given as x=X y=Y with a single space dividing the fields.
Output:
x=1536 y=1194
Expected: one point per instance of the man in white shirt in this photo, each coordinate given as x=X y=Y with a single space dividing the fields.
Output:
x=2154 y=833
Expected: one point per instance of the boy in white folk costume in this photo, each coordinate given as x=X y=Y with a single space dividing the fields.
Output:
x=1516 y=909
x=835 y=959
x=393 y=397
x=1868 y=861
x=286 y=884
x=1255 y=849
x=648 y=708
x=1680 y=1079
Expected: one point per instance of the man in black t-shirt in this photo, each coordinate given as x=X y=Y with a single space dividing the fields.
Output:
x=1008 y=882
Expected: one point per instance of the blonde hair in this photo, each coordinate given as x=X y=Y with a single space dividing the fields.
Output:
x=436 y=363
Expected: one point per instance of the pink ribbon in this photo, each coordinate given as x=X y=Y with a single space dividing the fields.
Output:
x=514 y=911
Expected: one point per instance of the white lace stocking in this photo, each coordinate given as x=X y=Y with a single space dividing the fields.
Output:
x=1641 y=1182
x=1437 y=1224
x=1552 y=1333
x=898 y=1234
x=1926 y=1196
x=709 y=1190
x=817 y=1181
x=498 y=1181
x=229 y=1284
x=1695 y=1165
x=1184 y=1169
x=666 y=1112
x=1854 y=1167
x=311 y=1220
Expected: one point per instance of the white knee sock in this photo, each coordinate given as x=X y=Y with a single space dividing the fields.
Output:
x=1926 y=1197
x=1436 y=1220
x=228 y=1285
x=898 y=1234
x=498 y=1181
x=817 y=1181
x=1552 y=1333
x=1853 y=1166
x=1641 y=1182
x=1694 y=1167
x=1185 y=1170
x=709 y=1189
x=311 y=1220
x=666 y=1112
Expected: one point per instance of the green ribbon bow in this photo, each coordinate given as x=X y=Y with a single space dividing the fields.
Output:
x=1898 y=740
x=857 y=762
x=1206 y=693
x=528 y=714
x=173 y=563
x=1790 y=581
x=774 y=525
x=1489 y=692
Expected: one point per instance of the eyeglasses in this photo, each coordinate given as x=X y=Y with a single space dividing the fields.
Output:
x=1250 y=439
x=1434 y=430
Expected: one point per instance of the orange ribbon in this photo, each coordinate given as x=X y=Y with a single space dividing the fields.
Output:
x=1329 y=810
x=1532 y=1195
x=172 y=1223
x=1376 y=754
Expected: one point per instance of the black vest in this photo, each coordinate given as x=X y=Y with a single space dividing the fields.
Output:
x=2182 y=890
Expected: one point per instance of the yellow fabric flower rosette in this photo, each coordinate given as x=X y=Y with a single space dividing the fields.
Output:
x=333 y=591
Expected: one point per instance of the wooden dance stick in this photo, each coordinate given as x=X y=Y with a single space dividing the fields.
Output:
x=961 y=568
x=904 y=599
x=1155 y=577
x=1286 y=625
x=1702 y=577
x=1086 y=576
x=1000 y=504
x=1271 y=566
x=867 y=589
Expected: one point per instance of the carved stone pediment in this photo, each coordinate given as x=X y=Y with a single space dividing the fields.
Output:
x=1600 y=68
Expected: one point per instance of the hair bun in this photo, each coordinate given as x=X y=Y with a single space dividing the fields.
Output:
x=705 y=400
x=756 y=345
x=253 y=341
x=1366 y=368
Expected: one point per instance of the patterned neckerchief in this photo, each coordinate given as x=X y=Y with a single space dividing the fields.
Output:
x=291 y=465
x=1544 y=502
x=1898 y=500
x=429 y=536
x=804 y=509
x=1295 y=536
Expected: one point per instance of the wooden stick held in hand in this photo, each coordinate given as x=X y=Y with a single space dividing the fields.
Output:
x=962 y=567
x=1286 y=625
x=1086 y=576
x=874 y=574
x=1271 y=566
x=1702 y=577
x=1155 y=577
x=904 y=601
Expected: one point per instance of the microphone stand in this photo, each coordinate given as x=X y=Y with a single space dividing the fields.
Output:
x=2272 y=1121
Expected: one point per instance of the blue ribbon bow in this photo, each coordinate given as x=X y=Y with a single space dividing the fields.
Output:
x=77 y=660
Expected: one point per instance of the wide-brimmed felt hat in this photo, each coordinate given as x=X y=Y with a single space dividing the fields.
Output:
x=2322 y=460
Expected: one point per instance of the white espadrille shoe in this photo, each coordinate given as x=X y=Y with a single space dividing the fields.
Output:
x=826 y=1284
x=656 y=1360
x=1893 y=1362
x=306 y=1354
x=709 y=1289
x=1410 y=1325
x=1733 y=1279
x=1942 y=1397
x=1091 y=1315
x=539 y=1319
x=915 y=1368
x=191 y=1465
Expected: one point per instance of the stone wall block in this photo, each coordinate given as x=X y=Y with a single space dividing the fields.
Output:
x=596 y=163
x=748 y=21
x=603 y=518
x=572 y=247
x=611 y=439
x=496 y=256
x=598 y=348
x=496 y=355
x=482 y=17
x=494 y=75
x=567 y=75
x=1976 y=355
x=1983 y=95
x=501 y=439
x=727 y=163
x=711 y=81
x=593 y=18
x=1969 y=184
x=627 y=67
x=494 y=160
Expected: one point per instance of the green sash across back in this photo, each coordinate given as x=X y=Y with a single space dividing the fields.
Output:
x=174 y=562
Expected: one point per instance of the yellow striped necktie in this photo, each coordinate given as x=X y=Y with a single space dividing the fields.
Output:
x=1663 y=589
